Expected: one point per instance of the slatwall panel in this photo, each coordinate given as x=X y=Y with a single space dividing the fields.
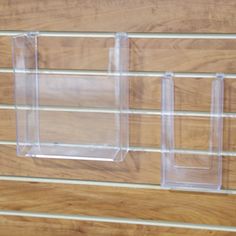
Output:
x=68 y=197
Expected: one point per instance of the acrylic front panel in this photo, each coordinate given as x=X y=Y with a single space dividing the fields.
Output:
x=48 y=104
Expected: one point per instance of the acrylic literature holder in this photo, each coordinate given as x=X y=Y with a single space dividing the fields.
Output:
x=185 y=170
x=85 y=117
x=44 y=129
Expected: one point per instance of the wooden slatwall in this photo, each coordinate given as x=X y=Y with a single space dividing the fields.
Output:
x=68 y=197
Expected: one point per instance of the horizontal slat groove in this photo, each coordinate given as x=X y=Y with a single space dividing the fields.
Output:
x=149 y=149
x=108 y=184
x=130 y=35
x=105 y=184
x=131 y=111
x=130 y=74
x=119 y=220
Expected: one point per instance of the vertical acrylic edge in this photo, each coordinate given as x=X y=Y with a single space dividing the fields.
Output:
x=14 y=38
x=37 y=110
x=216 y=132
x=14 y=46
x=167 y=122
x=14 y=64
x=121 y=60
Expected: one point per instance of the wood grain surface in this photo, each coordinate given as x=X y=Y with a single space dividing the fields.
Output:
x=132 y=15
x=189 y=207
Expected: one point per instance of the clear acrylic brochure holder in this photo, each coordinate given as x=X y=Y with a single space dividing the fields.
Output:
x=190 y=170
x=71 y=116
